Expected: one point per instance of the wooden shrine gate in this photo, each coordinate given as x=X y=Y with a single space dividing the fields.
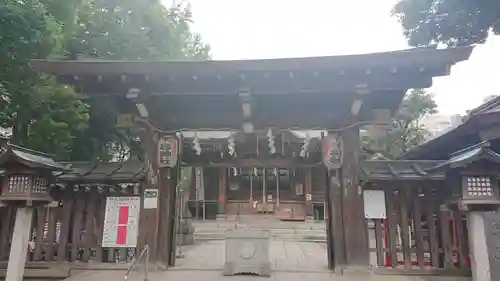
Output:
x=335 y=94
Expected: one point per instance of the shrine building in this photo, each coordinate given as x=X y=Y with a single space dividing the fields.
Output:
x=272 y=137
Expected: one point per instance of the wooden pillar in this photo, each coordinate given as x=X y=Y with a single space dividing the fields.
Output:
x=251 y=185
x=157 y=221
x=264 y=189
x=19 y=246
x=149 y=215
x=169 y=198
x=335 y=221
x=141 y=237
x=354 y=222
x=308 y=192
x=168 y=210
x=222 y=190
x=277 y=187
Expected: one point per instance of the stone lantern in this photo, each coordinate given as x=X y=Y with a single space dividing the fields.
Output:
x=472 y=176
x=478 y=192
x=26 y=183
x=27 y=176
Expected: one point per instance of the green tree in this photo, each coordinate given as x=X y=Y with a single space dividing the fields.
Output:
x=128 y=30
x=51 y=117
x=35 y=106
x=452 y=22
x=406 y=130
x=135 y=30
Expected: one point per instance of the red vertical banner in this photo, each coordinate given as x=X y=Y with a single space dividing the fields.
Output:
x=121 y=232
x=388 y=260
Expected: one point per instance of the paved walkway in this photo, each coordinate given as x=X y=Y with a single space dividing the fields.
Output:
x=191 y=275
x=291 y=261
x=284 y=255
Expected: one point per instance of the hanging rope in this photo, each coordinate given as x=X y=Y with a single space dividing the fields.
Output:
x=178 y=131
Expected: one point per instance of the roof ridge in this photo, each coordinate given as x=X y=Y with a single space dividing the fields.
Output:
x=484 y=106
x=31 y=151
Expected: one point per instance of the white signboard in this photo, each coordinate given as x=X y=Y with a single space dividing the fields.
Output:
x=200 y=186
x=299 y=189
x=150 y=198
x=121 y=222
x=374 y=201
x=269 y=198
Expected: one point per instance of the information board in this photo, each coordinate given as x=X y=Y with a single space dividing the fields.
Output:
x=374 y=201
x=121 y=222
x=150 y=198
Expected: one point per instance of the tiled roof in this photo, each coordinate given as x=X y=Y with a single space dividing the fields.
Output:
x=379 y=170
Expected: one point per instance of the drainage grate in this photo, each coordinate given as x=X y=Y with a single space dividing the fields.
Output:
x=246 y=274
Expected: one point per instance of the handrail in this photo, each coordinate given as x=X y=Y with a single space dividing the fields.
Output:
x=146 y=264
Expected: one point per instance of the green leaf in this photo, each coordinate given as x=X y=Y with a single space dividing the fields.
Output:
x=451 y=22
x=51 y=117
x=405 y=131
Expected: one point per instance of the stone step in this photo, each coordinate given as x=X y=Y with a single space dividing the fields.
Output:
x=259 y=225
x=302 y=234
x=312 y=238
x=277 y=234
x=270 y=227
x=280 y=230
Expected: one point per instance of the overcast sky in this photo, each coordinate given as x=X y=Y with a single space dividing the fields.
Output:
x=248 y=29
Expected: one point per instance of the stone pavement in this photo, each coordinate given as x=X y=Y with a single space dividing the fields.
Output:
x=285 y=256
x=280 y=230
x=291 y=261
x=215 y=275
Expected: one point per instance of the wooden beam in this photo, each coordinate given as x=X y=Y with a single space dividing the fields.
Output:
x=305 y=84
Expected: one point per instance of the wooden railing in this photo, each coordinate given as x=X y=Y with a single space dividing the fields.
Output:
x=71 y=231
x=419 y=233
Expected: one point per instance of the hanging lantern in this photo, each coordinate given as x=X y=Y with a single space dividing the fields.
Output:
x=332 y=151
x=271 y=141
x=196 y=144
x=304 y=151
x=167 y=152
x=231 y=146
